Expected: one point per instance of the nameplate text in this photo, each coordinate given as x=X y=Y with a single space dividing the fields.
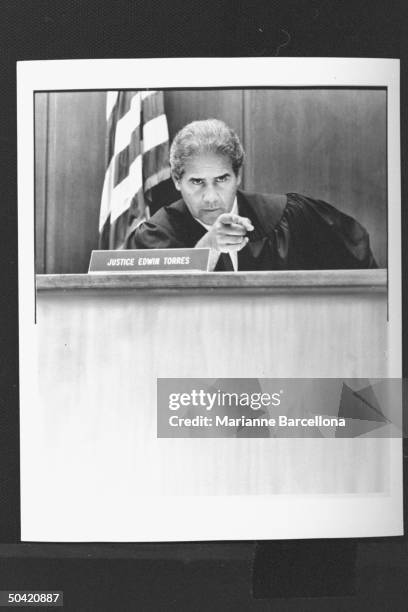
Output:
x=148 y=260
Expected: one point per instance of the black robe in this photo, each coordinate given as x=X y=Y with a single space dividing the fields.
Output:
x=291 y=232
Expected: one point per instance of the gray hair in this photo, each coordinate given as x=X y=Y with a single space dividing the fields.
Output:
x=207 y=136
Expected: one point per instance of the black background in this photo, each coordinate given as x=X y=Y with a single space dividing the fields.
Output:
x=346 y=575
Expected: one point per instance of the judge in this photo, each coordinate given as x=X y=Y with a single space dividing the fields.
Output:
x=246 y=231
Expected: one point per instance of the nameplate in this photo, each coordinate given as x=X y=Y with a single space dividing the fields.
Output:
x=148 y=260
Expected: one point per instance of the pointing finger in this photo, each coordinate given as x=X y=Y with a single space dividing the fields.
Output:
x=229 y=218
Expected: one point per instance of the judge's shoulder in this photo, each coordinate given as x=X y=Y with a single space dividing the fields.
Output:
x=267 y=207
x=277 y=200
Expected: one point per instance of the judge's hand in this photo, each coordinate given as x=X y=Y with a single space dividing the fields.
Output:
x=227 y=234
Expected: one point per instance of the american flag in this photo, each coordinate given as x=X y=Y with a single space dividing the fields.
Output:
x=137 y=160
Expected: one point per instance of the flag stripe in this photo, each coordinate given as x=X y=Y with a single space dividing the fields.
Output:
x=155 y=132
x=123 y=192
x=115 y=111
x=156 y=157
x=106 y=195
x=104 y=233
x=153 y=159
x=146 y=94
x=127 y=222
x=110 y=137
x=153 y=180
x=154 y=162
x=111 y=99
x=127 y=124
x=152 y=106
x=137 y=160
x=124 y=102
x=125 y=158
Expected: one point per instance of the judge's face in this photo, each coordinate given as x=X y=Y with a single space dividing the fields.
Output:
x=208 y=186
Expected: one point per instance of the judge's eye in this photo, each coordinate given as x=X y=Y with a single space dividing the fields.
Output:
x=222 y=179
x=195 y=181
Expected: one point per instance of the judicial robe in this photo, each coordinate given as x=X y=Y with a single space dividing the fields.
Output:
x=291 y=232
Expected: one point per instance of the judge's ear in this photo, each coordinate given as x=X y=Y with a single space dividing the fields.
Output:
x=239 y=177
x=176 y=182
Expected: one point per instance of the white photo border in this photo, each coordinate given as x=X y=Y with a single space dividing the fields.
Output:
x=368 y=516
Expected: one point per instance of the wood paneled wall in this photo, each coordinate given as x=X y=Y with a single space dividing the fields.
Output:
x=70 y=168
x=327 y=144
x=330 y=144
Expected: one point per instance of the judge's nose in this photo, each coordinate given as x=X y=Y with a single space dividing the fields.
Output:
x=210 y=197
